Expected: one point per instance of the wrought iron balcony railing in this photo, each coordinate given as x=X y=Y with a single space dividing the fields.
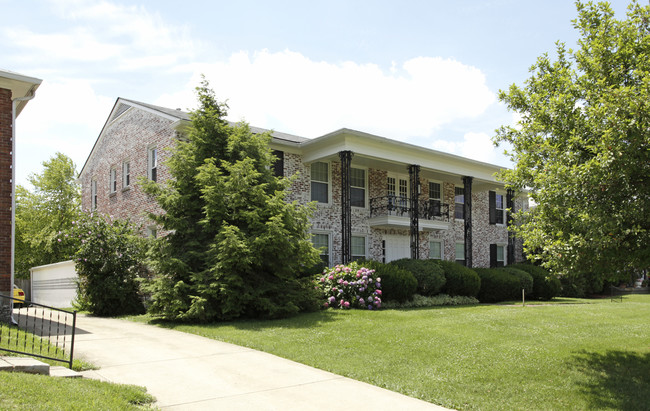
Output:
x=401 y=207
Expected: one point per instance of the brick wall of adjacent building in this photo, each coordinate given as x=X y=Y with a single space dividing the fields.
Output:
x=6 y=115
x=128 y=138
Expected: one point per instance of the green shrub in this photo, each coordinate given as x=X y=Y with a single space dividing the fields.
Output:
x=397 y=284
x=420 y=301
x=109 y=262
x=429 y=275
x=460 y=280
x=545 y=286
x=525 y=279
x=498 y=285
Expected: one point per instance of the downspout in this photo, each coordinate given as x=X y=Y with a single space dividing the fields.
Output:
x=13 y=184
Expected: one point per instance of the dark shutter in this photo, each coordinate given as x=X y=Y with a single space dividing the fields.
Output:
x=493 y=207
x=278 y=165
x=493 y=255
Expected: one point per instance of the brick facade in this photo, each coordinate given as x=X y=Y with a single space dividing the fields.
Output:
x=6 y=119
x=129 y=136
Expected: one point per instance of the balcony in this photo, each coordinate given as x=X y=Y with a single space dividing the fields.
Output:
x=395 y=212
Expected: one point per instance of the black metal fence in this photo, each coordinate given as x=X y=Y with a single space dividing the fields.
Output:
x=37 y=330
x=617 y=293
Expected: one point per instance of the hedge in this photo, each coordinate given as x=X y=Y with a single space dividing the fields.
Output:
x=429 y=275
x=397 y=284
x=498 y=285
x=461 y=280
x=545 y=286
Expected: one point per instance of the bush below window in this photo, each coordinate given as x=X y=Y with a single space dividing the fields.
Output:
x=428 y=273
x=498 y=285
x=397 y=284
x=460 y=280
x=545 y=286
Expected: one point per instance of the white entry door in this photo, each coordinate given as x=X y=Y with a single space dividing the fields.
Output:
x=396 y=247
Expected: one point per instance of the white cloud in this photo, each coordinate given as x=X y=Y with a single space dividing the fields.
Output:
x=293 y=93
x=477 y=146
x=65 y=117
x=130 y=37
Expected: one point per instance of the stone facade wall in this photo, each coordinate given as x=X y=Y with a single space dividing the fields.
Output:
x=128 y=138
x=6 y=120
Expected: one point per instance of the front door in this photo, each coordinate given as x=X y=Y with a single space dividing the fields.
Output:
x=396 y=247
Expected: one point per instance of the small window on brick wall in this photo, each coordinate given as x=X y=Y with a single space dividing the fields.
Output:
x=126 y=174
x=113 y=180
x=152 y=164
x=93 y=195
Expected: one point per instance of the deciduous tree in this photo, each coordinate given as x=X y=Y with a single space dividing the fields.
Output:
x=582 y=146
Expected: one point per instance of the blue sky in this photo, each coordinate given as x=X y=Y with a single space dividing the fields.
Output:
x=424 y=72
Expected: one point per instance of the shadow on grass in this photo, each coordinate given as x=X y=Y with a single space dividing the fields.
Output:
x=304 y=320
x=615 y=379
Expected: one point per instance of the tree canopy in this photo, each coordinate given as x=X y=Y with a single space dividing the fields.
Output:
x=582 y=146
x=235 y=246
x=44 y=213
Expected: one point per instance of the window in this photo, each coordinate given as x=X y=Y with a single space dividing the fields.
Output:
x=460 y=253
x=278 y=164
x=320 y=182
x=435 y=249
x=126 y=174
x=357 y=187
x=152 y=231
x=459 y=200
x=435 y=199
x=497 y=255
x=358 y=248
x=152 y=162
x=93 y=195
x=113 y=182
x=322 y=243
x=499 y=208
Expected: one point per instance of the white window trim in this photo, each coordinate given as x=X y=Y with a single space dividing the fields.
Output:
x=150 y=162
x=455 y=255
x=365 y=236
x=503 y=210
x=329 y=244
x=505 y=252
x=112 y=180
x=329 y=184
x=442 y=191
x=442 y=247
x=463 y=187
x=93 y=195
x=124 y=174
x=366 y=189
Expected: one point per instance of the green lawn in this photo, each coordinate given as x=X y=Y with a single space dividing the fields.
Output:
x=38 y=392
x=20 y=391
x=574 y=354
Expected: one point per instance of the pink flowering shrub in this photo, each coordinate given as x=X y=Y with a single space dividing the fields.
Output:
x=350 y=286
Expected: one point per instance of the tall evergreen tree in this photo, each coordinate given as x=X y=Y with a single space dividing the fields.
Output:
x=235 y=245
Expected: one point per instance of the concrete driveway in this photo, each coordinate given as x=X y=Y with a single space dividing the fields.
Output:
x=188 y=372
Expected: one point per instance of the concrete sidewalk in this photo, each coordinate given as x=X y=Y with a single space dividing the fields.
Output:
x=185 y=371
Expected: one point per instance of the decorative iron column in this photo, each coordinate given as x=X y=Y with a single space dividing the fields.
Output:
x=414 y=210
x=510 y=204
x=467 y=209
x=346 y=207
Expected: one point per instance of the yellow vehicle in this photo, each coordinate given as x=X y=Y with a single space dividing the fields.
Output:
x=19 y=297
